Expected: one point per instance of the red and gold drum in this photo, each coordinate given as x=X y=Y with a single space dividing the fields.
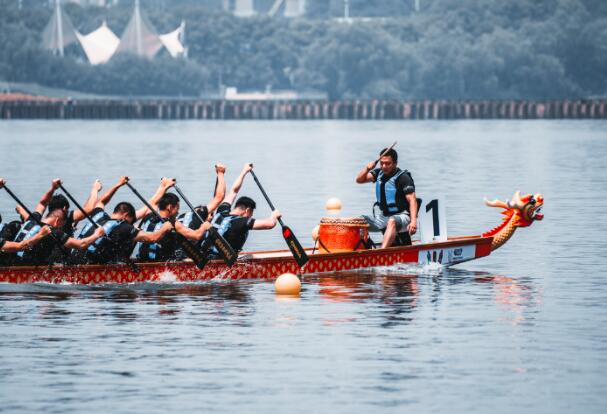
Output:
x=342 y=234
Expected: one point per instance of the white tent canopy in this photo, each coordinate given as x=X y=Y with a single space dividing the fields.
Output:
x=173 y=41
x=139 y=37
x=99 y=45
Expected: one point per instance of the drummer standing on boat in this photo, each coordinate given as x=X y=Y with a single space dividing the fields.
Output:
x=395 y=194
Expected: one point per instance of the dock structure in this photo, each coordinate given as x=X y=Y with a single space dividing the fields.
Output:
x=301 y=109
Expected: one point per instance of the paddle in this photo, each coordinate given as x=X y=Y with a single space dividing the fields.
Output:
x=38 y=221
x=385 y=152
x=299 y=254
x=226 y=251
x=127 y=259
x=189 y=249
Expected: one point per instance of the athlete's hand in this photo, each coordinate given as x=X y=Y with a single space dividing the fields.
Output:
x=276 y=214
x=97 y=186
x=56 y=183
x=166 y=227
x=45 y=231
x=123 y=180
x=99 y=232
x=220 y=168
x=371 y=165
x=413 y=227
x=248 y=167
x=168 y=182
x=206 y=226
x=2 y=182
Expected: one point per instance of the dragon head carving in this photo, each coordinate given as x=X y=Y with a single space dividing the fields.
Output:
x=526 y=209
x=520 y=211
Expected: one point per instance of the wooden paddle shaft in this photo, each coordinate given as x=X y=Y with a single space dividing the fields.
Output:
x=266 y=197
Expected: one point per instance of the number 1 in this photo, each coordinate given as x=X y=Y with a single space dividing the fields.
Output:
x=433 y=205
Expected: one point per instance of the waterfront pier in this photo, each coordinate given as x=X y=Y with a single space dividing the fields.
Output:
x=301 y=109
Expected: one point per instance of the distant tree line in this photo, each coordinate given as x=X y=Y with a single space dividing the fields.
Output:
x=451 y=49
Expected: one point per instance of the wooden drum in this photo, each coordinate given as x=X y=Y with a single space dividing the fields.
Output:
x=342 y=234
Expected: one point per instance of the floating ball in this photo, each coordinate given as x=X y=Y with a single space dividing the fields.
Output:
x=287 y=284
x=315 y=231
x=333 y=203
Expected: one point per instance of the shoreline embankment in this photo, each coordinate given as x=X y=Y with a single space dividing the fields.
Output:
x=301 y=109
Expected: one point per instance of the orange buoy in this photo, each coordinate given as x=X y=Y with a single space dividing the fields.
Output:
x=333 y=204
x=287 y=284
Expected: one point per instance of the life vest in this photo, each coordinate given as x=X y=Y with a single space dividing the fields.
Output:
x=390 y=199
x=150 y=251
x=100 y=218
x=223 y=224
x=187 y=219
x=104 y=241
x=29 y=229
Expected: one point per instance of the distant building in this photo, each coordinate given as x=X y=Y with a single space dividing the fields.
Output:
x=100 y=3
x=248 y=8
x=232 y=94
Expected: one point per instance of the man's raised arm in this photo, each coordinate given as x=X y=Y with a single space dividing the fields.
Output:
x=90 y=203
x=107 y=196
x=220 y=190
x=238 y=183
x=165 y=184
x=364 y=175
x=45 y=199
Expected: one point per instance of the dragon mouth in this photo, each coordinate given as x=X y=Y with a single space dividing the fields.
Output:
x=537 y=214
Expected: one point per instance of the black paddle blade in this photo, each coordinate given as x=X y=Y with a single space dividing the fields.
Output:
x=299 y=254
x=226 y=251
x=192 y=251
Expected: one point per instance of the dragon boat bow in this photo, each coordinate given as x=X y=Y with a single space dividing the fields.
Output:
x=520 y=211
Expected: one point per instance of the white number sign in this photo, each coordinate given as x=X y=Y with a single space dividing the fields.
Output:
x=433 y=219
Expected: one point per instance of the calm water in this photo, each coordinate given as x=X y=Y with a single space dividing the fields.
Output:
x=524 y=330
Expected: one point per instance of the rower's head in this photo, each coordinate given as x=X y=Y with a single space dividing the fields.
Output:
x=169 y=205
x=59 y=202
x=55 y=218
x=388 y=161
x=57 y=211
x=244 y=207
x=124 y=211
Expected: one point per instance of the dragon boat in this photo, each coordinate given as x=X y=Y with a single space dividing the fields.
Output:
x=340 y=248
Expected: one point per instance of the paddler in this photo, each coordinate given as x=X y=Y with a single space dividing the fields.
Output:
x=8 y=246
x=234 y=222
x=190 y=219
x=53 y=201
x=41 y=252
x=395 y=197
x=165 y=249
x=120 y=236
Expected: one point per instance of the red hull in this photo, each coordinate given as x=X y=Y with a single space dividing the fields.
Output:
x=255 y=265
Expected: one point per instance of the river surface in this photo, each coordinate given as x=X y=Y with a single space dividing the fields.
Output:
x=523 y=330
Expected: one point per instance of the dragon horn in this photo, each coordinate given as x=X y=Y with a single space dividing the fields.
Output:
x=496 y=203
x=516 y=201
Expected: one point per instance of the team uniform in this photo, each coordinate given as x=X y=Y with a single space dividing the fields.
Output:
x=390 y=194
x=191 y=221
x=115 y=246
x=100 y=217
x=161 y=251
x=43 y=253
x=234 y=229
